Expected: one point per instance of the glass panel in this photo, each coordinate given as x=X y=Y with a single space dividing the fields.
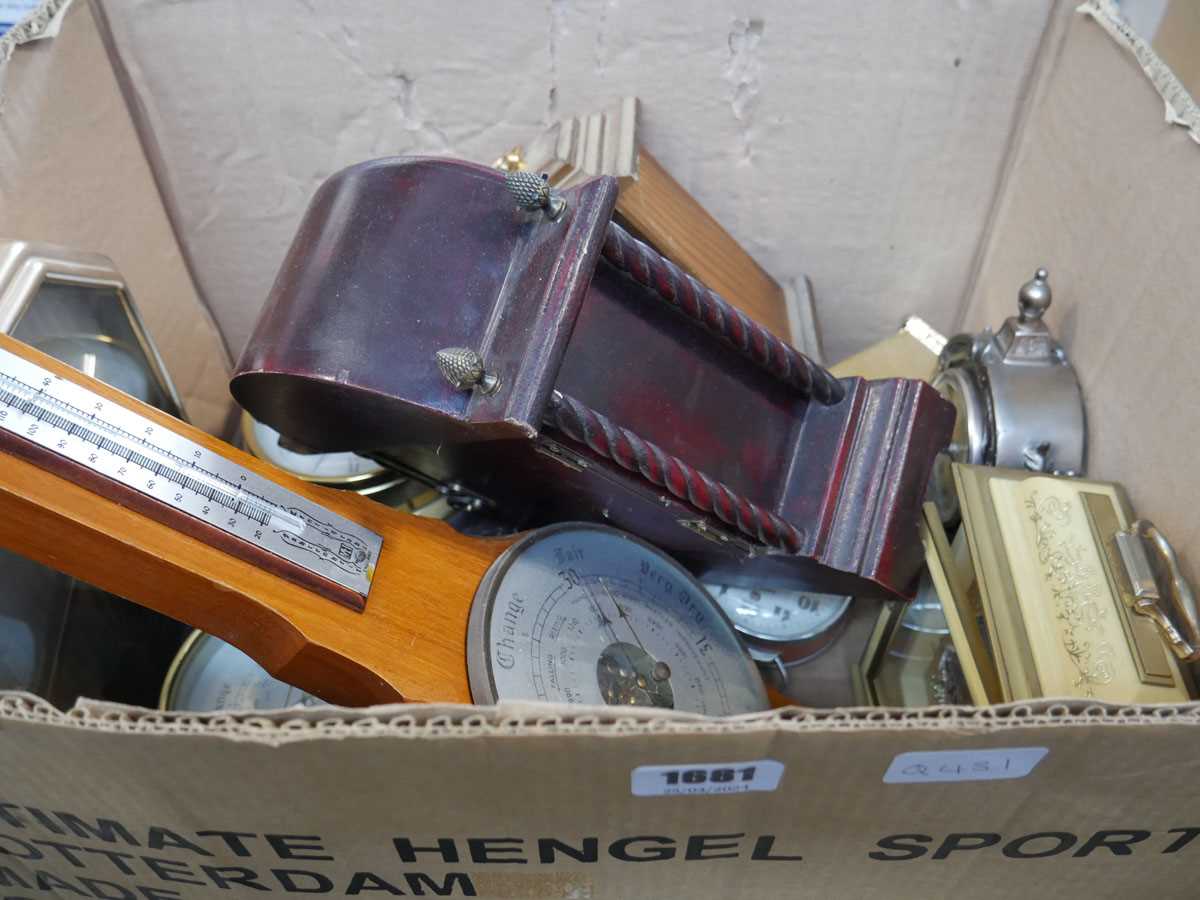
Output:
x=89 y=327
x=33 y=609
x=919 y=666
x=60 y=638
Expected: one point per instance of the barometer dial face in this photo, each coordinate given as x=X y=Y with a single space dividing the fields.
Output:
x=586 y=614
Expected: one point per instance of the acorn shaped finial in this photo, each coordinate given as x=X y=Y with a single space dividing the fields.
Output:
x=463 y=368
x=532 y=192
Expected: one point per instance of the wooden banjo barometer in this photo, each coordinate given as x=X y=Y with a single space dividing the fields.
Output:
x=349 y=599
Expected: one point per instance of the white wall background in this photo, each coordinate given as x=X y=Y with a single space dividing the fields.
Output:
x=858 y=142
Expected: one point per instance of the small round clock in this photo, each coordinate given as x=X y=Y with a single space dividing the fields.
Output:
x=782 y=628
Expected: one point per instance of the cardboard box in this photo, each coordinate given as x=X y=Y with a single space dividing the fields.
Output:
x=74 y=172
x=1067 y=799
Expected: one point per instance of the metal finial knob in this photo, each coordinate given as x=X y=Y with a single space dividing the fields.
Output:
x=1034 y=296
x=463 y=368
x=532 y=192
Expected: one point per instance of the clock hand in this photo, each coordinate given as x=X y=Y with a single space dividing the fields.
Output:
x=661 y=671
x=623 y=615
x=605 y=621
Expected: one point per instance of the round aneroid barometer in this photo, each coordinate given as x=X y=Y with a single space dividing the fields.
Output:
x=586 y=614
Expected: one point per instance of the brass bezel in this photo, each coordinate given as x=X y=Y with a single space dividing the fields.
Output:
x=168 y=686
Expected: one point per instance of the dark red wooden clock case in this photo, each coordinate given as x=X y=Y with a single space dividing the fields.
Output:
x=628 y=392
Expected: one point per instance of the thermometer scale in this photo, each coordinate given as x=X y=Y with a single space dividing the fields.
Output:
x=128 y=458
x=123 y=496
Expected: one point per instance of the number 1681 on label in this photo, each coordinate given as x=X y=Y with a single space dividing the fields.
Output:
x=691 y=779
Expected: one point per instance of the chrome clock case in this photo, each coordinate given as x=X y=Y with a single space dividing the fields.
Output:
x=1017 y=396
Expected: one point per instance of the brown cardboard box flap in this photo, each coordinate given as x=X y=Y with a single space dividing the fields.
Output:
x=1101 y=190
x=73 y=172
x=301 y=723
x=535 y=801
x=1060 y=799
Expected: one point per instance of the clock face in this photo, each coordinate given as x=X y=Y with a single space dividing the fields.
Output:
x=779 y=615
x=577 y=613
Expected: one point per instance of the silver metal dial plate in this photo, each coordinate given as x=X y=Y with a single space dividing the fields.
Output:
x=587 y=614
x=125 y=447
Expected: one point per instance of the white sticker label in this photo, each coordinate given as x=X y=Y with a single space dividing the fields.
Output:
x=963 y=765
x=706 y=778
x=13 y=11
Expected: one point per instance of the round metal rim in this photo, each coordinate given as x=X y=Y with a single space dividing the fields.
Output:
x=977 y=431
x=168 y=687
x=825 y=640
x=479 y=667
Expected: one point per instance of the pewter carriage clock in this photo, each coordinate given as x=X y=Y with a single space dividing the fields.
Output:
x=515 y=345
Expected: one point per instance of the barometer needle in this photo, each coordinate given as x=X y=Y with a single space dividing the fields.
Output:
x=605 y=621
x=622 y=614
x=660 y=671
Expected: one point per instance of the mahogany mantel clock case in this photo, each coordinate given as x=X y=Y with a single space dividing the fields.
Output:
x=519 y=345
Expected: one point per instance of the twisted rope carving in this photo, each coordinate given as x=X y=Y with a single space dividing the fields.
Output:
x=716 y=316
x=588 y=427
